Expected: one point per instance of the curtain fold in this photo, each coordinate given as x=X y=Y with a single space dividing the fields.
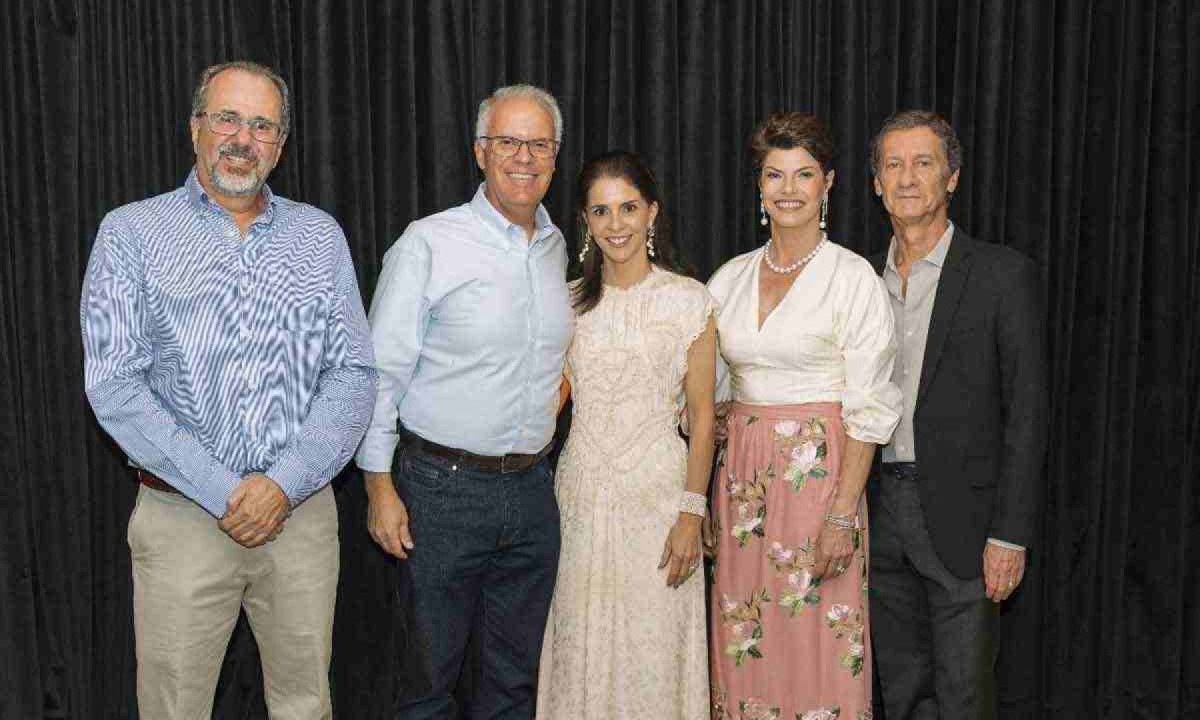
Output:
x=1079 y=120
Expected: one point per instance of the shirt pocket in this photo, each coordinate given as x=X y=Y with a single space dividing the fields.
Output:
x=301 y=339
x=304 y=317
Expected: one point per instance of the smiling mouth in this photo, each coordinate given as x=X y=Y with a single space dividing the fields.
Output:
x=238 y=162
x=618 y=240
x=522 y=177
x=789 y=204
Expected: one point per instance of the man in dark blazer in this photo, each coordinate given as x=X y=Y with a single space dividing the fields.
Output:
x=955 y=500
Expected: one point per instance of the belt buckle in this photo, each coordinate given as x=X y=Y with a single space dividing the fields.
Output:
x=504 y=464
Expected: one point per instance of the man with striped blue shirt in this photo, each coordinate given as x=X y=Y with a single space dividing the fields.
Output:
x=228 y=354
x=471 y=322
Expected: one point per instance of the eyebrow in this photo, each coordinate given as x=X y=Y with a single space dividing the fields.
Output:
x=919 y=156
x=633 y=201
x=802 y=167
x=231 y=111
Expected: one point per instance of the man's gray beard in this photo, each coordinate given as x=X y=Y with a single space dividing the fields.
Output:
x=236 y=185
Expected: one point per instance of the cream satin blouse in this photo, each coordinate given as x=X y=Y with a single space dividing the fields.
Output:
x=830 y=339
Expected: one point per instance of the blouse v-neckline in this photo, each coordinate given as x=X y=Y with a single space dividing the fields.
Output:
x=761 y=322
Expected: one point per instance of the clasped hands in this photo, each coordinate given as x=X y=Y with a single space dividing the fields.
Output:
x=256 y=511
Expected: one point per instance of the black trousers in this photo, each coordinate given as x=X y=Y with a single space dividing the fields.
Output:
x=933 y=633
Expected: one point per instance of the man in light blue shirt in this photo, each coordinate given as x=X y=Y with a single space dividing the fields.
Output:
x=228 y=354
x=471 y=322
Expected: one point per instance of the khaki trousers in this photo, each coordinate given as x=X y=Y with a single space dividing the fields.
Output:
x=189 y=581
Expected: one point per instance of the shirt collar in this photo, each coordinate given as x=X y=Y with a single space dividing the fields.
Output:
x=493 y=218
x=936 y=256
x=199 y=199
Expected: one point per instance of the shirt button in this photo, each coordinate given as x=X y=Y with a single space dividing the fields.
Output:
x=908 y=334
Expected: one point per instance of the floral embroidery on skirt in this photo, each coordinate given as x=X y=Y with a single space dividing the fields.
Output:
x=785 y=644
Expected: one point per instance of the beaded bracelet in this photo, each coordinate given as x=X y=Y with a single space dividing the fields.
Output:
x=693 y=503
x=842 y=522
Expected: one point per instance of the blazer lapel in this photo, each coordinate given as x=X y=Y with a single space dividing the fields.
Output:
x=951 y=284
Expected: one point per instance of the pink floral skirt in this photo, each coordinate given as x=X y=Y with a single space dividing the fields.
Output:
x=783 y=644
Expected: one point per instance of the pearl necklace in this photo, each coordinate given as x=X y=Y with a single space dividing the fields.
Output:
x=796 y=265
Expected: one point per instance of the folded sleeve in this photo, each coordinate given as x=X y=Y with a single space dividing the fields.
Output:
x=865 y=332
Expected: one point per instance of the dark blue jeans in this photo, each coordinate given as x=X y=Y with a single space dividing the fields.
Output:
x=483 y=565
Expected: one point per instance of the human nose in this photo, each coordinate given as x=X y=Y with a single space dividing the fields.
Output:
x=613 y=222
x=243 y=133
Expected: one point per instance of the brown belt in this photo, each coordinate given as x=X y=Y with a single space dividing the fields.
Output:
x=503 y=464
x=154 y=482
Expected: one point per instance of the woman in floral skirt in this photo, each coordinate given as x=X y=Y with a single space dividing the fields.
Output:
x=805 y=329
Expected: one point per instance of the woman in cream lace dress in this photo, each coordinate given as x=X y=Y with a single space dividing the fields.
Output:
x=626 y=635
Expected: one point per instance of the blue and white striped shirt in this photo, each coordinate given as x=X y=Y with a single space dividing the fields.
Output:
x=471 y=322
x=209 y=355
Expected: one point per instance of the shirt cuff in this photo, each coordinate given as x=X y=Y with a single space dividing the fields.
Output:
x=288 y=473
x=376 y=452
x=1006 y=545
x=214 y=495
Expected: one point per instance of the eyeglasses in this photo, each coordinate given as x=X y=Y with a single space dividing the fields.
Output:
x=229 y=123
x=506 y=146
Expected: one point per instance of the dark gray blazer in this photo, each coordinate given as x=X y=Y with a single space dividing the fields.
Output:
x=981 y=413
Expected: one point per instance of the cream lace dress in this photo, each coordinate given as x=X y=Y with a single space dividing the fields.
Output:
x=619 y=642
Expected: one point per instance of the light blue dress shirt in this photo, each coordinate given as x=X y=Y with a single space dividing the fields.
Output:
x=471 y=322
x=209 y=355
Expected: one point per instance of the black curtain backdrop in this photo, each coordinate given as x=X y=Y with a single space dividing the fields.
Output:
x=1080 y=124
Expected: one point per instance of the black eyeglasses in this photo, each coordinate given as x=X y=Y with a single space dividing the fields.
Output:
x=229 y=123
x=506 y=146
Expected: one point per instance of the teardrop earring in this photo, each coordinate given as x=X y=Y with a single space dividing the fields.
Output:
x=824 y=210
x=587 y=242
x=762 y=213
x=650 y=235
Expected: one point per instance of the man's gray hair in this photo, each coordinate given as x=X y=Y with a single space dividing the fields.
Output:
x=200 y=97
x=531 y=92
x=909 y=119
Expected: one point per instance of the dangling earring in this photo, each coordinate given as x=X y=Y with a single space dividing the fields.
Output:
x=824 y=210
x=587 y=242
x=762 y=213
x=650 y=235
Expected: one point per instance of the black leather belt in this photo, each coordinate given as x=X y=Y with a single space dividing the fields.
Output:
x=900 y=469
x=503 y=464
